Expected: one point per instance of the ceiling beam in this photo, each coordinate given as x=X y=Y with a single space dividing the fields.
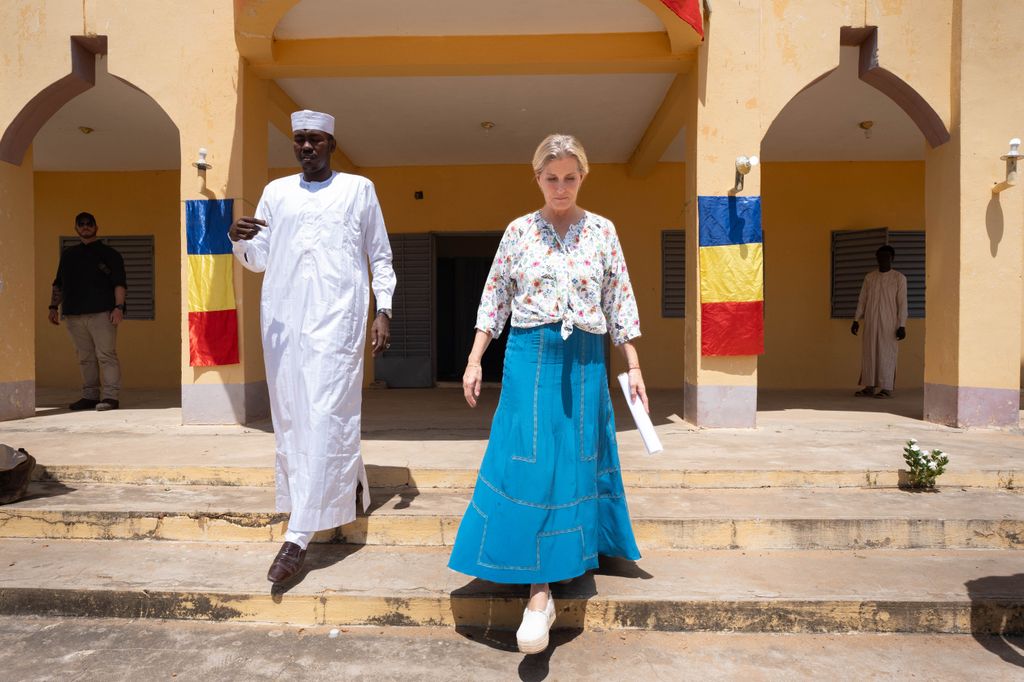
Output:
x=664 y=127
x=255 y=21
x=681 y=35
x=280 y=113
x=473 y=56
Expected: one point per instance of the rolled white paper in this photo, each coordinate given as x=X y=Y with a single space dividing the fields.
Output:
x=642 y=419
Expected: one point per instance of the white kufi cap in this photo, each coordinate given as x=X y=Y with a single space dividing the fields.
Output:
x=312 y=120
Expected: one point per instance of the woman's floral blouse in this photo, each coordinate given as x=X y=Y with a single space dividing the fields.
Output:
x=580 y=282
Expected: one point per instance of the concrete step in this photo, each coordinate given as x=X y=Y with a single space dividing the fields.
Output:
x=914 y=591
x=771 y=518
x=129 y=649
x=651 y=476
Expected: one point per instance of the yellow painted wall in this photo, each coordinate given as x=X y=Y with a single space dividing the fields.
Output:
x=487 y=198
x=16 y=273
x=802 y=204
x=127 y=203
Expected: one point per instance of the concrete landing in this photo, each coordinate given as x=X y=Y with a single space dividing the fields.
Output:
x=773 y=518
x=433 y=430
x=34 y=649
x=771 y=591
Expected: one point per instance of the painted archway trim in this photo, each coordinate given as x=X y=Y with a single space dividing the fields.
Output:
x=22 y=130
x=892 y=86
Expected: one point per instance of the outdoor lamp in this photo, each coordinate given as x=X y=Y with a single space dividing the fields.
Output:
x=1010 y=158
x=743 y=166
x=201 y=162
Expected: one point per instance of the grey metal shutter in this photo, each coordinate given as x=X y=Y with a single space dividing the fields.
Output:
x=409 y=363
x=137 y=252
x=910 y=261
x=673 y=273
x=853 y=256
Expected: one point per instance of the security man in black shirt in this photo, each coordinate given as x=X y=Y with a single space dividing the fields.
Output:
x=89 y=290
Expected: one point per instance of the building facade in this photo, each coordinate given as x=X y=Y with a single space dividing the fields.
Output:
x=866 y=114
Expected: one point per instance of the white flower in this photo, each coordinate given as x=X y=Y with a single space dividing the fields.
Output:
x=915 y=448
x=931 y=465
x=926 y=454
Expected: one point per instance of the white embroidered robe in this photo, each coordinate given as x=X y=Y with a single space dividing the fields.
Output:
x=883 y=308
x=320 y=242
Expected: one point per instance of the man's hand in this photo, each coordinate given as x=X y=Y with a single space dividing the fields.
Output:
x=246 y=228
x=54 y=316
x=855 y=327
x=116 y=316
x=901 y=333
x=380 y=334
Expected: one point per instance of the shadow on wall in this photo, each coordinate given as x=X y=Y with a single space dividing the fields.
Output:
x=997 y=615
x=994 y=224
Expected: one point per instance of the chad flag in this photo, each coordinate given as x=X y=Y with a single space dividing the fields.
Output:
x=731 y=275
x=212 y=316
x=688 y=11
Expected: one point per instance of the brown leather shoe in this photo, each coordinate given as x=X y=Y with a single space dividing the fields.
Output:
x=287 y=563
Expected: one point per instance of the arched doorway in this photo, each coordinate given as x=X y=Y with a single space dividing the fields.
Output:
x=843 y=173
x=101 y=145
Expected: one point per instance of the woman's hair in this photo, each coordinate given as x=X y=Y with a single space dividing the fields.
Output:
x=559 y=147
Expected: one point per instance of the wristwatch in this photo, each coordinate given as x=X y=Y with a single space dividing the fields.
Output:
x=121 y=307
x=386 y=311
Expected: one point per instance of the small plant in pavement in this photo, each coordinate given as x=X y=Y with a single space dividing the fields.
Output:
x=925 y=465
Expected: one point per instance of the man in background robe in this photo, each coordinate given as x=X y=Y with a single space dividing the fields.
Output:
x=313 y=235
x=883 y=308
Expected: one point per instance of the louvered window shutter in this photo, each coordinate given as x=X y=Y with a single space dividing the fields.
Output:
x=910 y=261
x=139 y=267
x=853 y=256
x=409 y=361
x=673 y=273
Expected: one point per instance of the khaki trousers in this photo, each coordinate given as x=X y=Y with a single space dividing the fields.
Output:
x=95 y=339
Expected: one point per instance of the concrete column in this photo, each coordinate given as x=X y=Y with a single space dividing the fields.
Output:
x=723 y=123
x=230 y=393
x=973 y=332
x=17 y=291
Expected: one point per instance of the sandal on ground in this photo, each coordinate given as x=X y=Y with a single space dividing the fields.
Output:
x=883 y=394
x=865 y=392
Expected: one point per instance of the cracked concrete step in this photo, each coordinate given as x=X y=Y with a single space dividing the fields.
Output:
x=923 y=591
x=650 y=476
x=780 y=518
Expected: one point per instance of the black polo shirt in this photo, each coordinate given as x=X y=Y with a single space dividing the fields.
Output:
x=87 y=275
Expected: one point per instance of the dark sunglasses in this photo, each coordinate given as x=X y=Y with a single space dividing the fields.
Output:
x=89 y=224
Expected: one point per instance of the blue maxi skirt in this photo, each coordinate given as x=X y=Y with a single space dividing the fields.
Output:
x=549 y=497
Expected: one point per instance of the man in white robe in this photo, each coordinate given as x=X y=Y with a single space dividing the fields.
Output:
x=313 y=236
x=883 y=308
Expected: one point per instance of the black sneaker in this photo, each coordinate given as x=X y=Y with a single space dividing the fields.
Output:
x=83 y=404
x=107 y=404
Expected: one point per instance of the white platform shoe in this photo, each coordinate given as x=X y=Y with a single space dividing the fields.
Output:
x=532 y=635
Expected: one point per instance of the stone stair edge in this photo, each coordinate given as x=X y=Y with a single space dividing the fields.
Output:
x=391 y=476
x=582 y=604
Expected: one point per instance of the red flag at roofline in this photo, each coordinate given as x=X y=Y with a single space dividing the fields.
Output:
x=688 y=11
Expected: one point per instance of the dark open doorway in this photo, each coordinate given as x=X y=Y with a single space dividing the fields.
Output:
x=462 y=264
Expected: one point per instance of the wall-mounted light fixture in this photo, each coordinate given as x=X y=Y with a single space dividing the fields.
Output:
x=201 y=162
x=85 y=130
x=866 y=126
x=1010 y=158
x=743 y=166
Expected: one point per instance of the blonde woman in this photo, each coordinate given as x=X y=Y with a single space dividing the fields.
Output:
x=549 y=497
